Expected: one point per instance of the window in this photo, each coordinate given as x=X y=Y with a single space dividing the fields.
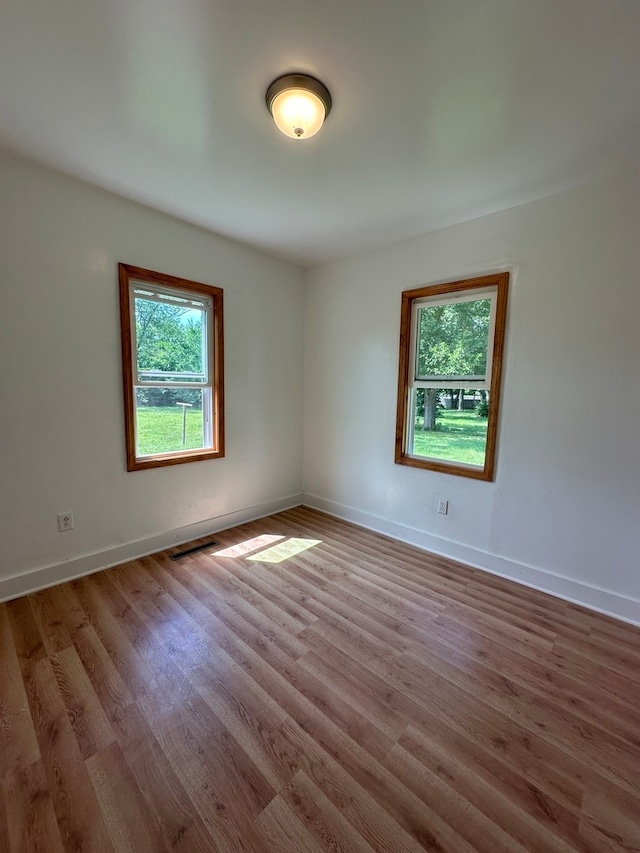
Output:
x=451 y=341
x=172 y=363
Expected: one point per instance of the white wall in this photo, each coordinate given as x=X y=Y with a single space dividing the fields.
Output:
x=564 y=511
x=61 y=422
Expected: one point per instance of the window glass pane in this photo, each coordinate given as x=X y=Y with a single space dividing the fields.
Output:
x=450 y=425
x=169 y=419
x=171 y=339
x=451 y=340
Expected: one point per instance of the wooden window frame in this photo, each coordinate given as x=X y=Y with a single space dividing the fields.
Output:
x=498 y=282
x=127 y=276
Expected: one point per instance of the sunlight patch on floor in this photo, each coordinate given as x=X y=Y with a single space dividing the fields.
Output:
x=248 y=545
x=284 y=550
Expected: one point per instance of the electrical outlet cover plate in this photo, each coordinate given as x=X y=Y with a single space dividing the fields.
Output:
x=65 y=521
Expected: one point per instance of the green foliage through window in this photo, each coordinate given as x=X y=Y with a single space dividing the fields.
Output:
x=452 y=339
x=168 y=337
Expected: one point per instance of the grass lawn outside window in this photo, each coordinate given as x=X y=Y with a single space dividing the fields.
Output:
x=160 y=429
x=460 y=436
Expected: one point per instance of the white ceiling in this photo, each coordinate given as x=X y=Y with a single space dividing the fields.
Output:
x=443 y=110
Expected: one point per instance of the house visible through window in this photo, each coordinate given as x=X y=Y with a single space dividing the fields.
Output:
x=172 y=350
x=449 y=377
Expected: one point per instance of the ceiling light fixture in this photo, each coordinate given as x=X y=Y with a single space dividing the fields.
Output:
x=299 y=105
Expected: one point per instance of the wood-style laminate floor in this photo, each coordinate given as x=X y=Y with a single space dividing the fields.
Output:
x=359 y=695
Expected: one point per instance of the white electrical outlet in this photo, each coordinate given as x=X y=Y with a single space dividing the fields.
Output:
x=443 y=507
x=65 y=521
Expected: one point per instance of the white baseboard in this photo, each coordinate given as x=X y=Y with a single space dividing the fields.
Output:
x=37 y=579
x=600 y=600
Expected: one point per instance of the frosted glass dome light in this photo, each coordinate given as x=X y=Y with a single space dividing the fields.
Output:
x=299 y=105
